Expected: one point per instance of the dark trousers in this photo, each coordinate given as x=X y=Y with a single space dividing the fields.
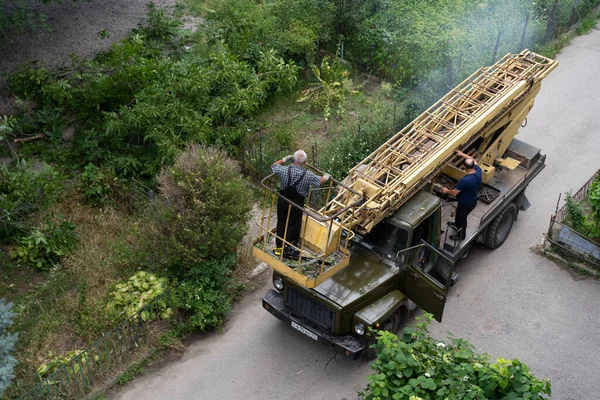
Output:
x=294 y=222
x=460 y=221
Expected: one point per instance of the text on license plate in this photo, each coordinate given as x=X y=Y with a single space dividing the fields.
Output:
x=305 y=331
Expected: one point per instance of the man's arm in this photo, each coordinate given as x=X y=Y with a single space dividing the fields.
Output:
x=465 y=156
x=284 y=160
x=453 y=192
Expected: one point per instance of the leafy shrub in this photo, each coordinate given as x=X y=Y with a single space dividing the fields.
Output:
x=205 y=302
x=138 y=105
x=131 y=296
x=357 y=140
x=333 y=88
x=584 y=221
x=291 y=27
x=55 y=362
x=43 y=247
x=420 y=367
x=95 y=184
x=594 y=199
x=206 y=205
x=7 y=346
x=24 y=189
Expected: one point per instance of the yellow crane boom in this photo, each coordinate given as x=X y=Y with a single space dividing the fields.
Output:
x=406 y=162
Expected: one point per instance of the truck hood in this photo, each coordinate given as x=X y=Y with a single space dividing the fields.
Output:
x=365 y=273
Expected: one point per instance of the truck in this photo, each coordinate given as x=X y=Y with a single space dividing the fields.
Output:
x=376 y=245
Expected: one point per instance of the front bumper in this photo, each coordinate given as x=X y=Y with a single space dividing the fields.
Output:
x=347 y=345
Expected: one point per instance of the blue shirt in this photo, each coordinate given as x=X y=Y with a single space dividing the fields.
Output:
x=469 y=186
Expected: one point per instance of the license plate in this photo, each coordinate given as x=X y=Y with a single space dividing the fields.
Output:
x=305 y=331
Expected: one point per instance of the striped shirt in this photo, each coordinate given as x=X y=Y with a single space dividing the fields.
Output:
x=309 y=179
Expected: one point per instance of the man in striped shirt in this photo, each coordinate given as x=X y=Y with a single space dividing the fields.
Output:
x=295 y=183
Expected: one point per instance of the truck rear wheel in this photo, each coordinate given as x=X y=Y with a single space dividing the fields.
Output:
x=500 y=227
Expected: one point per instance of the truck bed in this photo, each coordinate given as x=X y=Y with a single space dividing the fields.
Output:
x=509 y=183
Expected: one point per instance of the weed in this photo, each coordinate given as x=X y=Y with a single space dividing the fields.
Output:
x=135 y=369
x=169 y=340
x=586 y=24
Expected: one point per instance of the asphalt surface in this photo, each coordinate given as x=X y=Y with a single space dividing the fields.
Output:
x=509 y=302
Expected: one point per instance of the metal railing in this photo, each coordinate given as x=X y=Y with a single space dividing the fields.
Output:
x=75 y=378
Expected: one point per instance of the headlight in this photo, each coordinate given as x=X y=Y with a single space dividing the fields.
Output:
x=278 y=283
x=360 y=329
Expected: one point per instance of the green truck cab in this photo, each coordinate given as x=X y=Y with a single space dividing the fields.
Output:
x=371 y=291
x=406 y=261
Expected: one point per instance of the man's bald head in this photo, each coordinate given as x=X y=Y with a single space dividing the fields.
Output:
x=469 y=163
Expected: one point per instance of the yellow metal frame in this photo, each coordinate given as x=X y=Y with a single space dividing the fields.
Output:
x=405 y=163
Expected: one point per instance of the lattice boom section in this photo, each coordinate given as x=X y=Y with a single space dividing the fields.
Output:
x=404 y=163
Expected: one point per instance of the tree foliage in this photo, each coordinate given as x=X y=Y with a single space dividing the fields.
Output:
x=136 y=107
x=418 y=367
x=204 y=213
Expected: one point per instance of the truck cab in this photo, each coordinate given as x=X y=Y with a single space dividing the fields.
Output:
x=394 y=268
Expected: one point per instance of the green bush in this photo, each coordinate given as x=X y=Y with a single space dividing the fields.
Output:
x=332 y=89
x=359 y=139
x=419 y=367
x=138 y=105
x=205 y=302
x=130 y=297
x=95 y=184
x=205 y=206
x=43 y=247
x=23 y=190
x=583 y=219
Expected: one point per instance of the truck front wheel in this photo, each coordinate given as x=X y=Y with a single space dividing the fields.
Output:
x=500 y=227
x=397 y=319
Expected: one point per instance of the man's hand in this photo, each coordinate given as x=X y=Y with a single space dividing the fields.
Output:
x=326 y=177
x=444 y=190
x=288 y=158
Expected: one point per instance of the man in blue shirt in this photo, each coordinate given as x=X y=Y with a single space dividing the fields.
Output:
x=466 y=191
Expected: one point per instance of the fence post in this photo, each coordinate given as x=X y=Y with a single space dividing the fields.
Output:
x=524 y=32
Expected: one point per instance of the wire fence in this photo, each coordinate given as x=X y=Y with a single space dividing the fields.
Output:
x=75 y=378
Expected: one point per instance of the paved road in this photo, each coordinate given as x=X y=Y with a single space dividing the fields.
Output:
x=509 y=302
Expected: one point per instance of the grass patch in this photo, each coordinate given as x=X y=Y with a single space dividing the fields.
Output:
x=136 y=368
x=64 y=309
x=586 y=24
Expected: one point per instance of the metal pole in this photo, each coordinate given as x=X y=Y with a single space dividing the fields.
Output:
x=260 y=157
x=524 y=32
x=496 y=47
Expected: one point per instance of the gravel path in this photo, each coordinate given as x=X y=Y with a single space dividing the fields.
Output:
x=74 y=30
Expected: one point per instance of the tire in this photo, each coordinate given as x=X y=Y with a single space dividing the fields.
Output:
x=393 y=324
x=500 y=227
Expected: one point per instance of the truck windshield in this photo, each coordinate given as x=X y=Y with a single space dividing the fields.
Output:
x=388 y=238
